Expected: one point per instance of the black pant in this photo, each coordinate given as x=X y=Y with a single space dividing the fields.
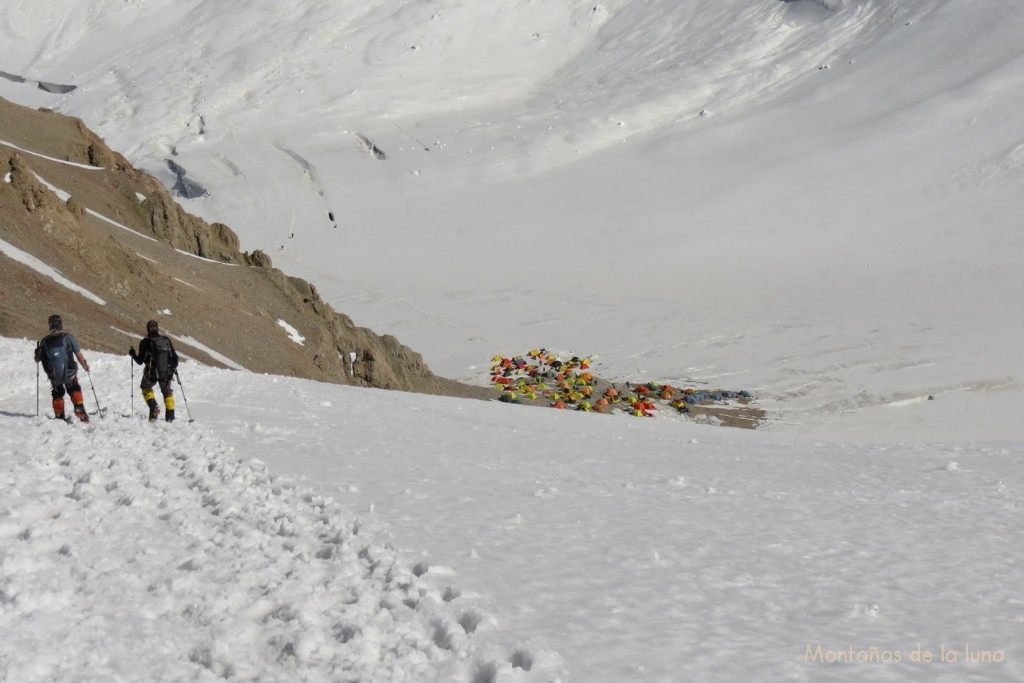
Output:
x=71 y=387
x=165 y=386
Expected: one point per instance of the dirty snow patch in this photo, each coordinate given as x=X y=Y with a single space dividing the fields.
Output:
x=213 y=354
x=119 y=225
x=203 y=258
x=49 y=158
x=64 y=196
x=293 y=334
x=178 y=279
x=35 y=264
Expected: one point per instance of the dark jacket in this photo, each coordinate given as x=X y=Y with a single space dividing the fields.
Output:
x=66 y=346
x=147 y=356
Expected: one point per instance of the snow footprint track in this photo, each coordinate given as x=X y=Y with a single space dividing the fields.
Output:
x=231 y=569
x=362 y=600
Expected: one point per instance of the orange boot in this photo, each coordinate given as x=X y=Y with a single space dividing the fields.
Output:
x=79 y=403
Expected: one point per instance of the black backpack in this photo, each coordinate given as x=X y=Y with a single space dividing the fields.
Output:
x=57 y=362
x=162 y=358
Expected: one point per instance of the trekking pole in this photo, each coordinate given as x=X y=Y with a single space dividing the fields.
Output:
x=37 y=389
x=131 y=387
x=96 y=398
x=183 y=396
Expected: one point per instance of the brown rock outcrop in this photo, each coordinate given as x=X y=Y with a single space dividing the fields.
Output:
x=231 y=302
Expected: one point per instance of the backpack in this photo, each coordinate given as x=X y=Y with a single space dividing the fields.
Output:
x=57 y=362
x=162 y=358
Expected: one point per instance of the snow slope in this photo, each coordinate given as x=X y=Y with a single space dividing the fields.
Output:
x=139 y=552
x=814 y=201
x=303 y=531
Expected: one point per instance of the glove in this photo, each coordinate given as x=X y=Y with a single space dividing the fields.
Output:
x=131 y=352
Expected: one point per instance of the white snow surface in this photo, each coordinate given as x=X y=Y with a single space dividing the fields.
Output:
x=306 y=531
x=816 y=201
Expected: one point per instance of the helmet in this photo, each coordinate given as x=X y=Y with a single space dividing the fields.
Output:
x=56 y=323
x=152 y=326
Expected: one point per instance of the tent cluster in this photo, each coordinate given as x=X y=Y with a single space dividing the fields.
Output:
x=542 y=374
x=542 y=377
x=642 y=402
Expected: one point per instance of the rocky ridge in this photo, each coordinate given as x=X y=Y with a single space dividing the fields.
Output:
x=80 y=208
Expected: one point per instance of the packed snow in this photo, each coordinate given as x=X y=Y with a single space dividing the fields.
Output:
x=815 y=201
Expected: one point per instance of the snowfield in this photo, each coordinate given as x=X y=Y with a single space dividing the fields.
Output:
x=304 y=531
x=137 y=552
x=816 y=201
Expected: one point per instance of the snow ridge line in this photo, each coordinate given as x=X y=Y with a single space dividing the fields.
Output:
x=49 y=158
x=232 y=569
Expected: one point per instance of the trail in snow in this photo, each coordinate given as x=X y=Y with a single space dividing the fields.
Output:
x=133 y=551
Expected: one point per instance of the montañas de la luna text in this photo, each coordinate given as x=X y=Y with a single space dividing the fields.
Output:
x=946 y=654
